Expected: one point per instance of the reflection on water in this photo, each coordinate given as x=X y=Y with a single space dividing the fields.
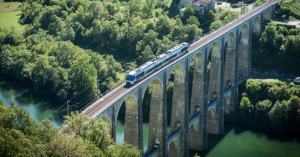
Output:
x=237 y=141
x=241 y=141
x=39 y=107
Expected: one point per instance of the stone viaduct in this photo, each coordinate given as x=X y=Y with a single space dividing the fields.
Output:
x=219 y=58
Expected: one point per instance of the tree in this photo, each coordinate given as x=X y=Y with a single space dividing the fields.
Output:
x=215 y=25
x=245 y=110
x=147 y=54
x=82 y=73
x=163 y=26
x=193 y=20
x=244 y=9
x=189 y=11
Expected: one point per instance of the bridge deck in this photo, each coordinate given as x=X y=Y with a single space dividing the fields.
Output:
x=106 y=101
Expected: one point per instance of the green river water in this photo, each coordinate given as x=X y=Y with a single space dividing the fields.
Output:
x=237 y=141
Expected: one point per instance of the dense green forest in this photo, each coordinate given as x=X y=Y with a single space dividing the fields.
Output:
x=277 y=49
x=274 y=106
x=278 y=46
x=20 y=135
x=68 y=44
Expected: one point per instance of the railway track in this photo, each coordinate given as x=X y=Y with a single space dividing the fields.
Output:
x=101 y=103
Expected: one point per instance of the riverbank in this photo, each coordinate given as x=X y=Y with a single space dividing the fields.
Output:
x=39 y=107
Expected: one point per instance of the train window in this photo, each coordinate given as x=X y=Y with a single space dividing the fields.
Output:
x=129 y=77
x=183 y=50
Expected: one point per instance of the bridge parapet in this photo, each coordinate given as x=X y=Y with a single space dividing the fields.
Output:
x=152 y=152
x=213 y=103
x=174 y=135
x=194 y=118
x=227 y=91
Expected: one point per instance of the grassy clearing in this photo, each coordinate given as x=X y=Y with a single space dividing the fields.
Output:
x=10 y=14
x=10 y=19
x=9 y=6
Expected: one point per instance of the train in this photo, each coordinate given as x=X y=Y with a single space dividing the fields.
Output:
x=156 y=62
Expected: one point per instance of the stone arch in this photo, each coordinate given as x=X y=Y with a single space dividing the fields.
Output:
x=174 y=149
x=180 y=73
x=256 y=28
x=215 y=45
x=146 y=84
x=211 y=113
x=104 y=119
x=244 y=52
x=178 y=111
x=267 y=15
x=156 y=127
x=215 y=86
x=197 y=100
x=131 y=131
x=228 y=106
x=194 y=127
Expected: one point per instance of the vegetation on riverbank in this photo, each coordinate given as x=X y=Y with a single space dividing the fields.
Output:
x=20 y=135
x=48 y=54
x=274 y=106
x=277 y=49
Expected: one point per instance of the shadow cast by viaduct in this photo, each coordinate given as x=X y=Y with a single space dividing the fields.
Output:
x=227 y=51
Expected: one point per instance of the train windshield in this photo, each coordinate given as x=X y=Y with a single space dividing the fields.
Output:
x=129 y=78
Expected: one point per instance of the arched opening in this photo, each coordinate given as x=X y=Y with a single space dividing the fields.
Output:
x=104 y=119
x=153 y=113
x=176 y=101
x=230 y=64
x=127 y=122
x=197 y=93
x=267 y=16
x=174 y=149
x=211 y=113
x=194 y=134
x=228 y=106
x=256 y=29
x=214 y=86
x=244 y=54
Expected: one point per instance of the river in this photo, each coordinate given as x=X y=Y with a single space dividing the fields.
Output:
x=237 y=141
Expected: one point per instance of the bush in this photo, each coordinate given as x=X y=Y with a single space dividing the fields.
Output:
x=235 y=6
x=293 y=32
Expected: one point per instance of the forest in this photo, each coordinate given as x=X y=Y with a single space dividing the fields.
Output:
x=20 y=135
x=274 y=106
x=278 y=43
x=67 y=45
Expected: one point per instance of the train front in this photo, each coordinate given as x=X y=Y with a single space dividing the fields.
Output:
x=130 y=78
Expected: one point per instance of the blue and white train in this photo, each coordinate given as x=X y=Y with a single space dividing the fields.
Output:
x=156 y=62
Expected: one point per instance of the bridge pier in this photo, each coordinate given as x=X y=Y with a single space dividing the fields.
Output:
x=196 y=135
x=214 y=117
x=131 y=131
x=156 y=122
x=230 y=71
x=178 y=112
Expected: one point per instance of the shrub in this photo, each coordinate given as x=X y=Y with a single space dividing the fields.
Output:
x=235 y=6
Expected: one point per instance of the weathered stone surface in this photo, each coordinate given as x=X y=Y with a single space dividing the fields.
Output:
x=256 y=26
x=175 y=150
x=244 y=57
x=268 y=15
x=230 y=69
x=156 y=128
x=131 y=131
x=215 y=86
x=197 y=99
x=178 y=112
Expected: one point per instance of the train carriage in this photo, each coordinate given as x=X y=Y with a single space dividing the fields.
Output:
x=156 y=62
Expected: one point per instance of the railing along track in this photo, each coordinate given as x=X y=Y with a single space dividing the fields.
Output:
x=120 y=91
